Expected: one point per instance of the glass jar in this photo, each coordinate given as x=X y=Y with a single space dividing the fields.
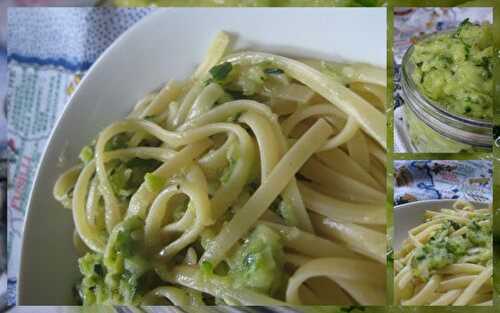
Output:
x=433 y=129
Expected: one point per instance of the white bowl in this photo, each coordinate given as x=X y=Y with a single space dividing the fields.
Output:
x=409 y=215
x=168 y=44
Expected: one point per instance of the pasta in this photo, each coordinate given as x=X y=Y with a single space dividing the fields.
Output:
x=447 y=260
x=258 y=181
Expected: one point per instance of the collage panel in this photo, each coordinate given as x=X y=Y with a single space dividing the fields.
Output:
x=445 y=108
x=215 y=164
x=443 y=79
x=443 y=253
x=231 y=156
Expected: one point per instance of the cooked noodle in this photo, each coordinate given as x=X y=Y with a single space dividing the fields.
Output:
x=447 y=260
x=258 y=181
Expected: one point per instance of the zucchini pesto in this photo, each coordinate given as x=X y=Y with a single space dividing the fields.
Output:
x=456 y=70
x=447 y=260
x=259 y=180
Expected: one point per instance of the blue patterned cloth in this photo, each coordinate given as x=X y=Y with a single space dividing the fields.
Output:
x=443 y=179
x=3 y=162
x=49 y=49
x=69 y=38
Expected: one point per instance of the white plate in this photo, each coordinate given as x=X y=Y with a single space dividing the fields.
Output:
x=168 y=44
x=409 y=215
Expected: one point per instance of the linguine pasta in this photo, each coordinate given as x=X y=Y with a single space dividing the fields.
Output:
x=258 y=181
x=447 y=260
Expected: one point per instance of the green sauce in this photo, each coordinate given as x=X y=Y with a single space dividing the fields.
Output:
x=474 y=246
x=259 y=263
x=425 y=139
x=456 y=70
x=122 y=274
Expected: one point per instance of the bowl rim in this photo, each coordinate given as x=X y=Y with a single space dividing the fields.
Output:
x=435 y=201
x=398 y=211
x=89 y=75
x=29 y=221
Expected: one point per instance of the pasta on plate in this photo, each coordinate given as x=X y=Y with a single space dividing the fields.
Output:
x=260 y=180
x=447 y=260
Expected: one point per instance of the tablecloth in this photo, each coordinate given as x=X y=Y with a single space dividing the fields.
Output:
x=409 y=24
x=49 y=50
x=443 y=179
x=3 y=161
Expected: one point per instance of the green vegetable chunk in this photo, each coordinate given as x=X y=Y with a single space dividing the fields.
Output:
x=221 y=71
x=86 y=154
x=259 y=262
x=122 y=275
x=154 y=182
x=273 y=70
x=92 y=288
x=456 y=70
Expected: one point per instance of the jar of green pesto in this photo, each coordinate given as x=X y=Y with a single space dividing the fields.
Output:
x=454 y=121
